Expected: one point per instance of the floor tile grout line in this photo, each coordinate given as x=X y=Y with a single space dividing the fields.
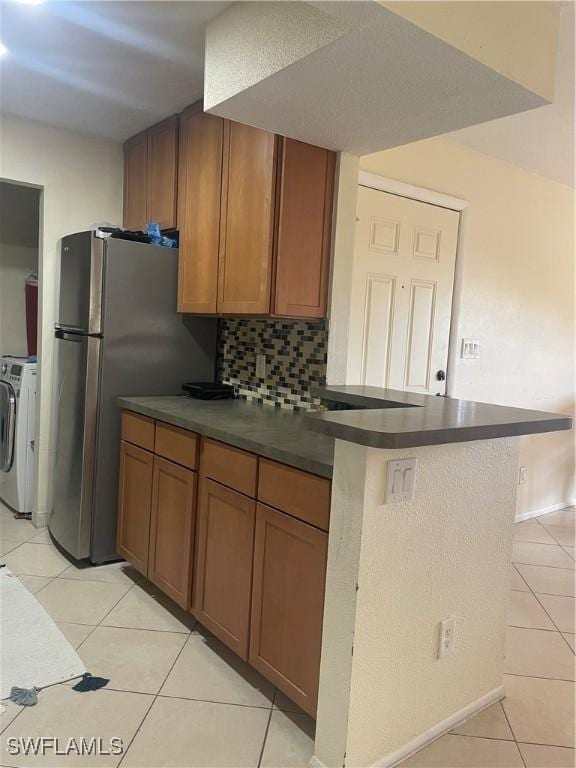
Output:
x=535 y=595
x=545 y=565
x=261 y=755
x=155 y=698
x=541 y=677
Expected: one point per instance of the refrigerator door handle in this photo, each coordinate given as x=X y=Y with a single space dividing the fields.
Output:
x=96 y=278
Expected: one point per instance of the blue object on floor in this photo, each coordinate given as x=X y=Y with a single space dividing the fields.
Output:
x=90 y=683
x=25 y=697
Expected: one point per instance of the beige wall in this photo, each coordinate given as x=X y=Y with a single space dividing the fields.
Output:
x=16 y=263
x=82 y=181
x=517 y=295
x=395 y=571
x=516 y=39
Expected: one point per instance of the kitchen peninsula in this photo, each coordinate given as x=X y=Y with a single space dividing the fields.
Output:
x=296 y=546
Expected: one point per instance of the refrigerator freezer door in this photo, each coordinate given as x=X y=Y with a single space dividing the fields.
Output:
x=77 y=364
x=81 y=275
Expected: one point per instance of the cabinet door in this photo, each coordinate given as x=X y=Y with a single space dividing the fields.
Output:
x=288 y=604
x=136 y=181
x=199 y=200
x=223 y=572
x=305 y=199
x=134 y=502
x=247 y=224
x=162 y=172
x=172 y=530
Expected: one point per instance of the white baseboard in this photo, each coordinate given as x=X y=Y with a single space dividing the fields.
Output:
x=40 y=519
x=438 y=730
x=543 y=510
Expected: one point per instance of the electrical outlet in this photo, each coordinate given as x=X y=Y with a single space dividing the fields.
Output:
x=260 y=366
x=522 y=475
x=446 y=639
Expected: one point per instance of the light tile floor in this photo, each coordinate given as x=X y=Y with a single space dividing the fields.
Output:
x=177 y=697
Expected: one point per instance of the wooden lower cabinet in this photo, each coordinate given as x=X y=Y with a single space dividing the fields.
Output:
x=172 y=525
x=223 y=570
x=288 y=604
x=134 y=505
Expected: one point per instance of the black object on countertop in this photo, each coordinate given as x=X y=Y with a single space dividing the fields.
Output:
x=208 y=390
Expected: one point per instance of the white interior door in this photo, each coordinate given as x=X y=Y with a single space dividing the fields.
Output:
x=403 y=278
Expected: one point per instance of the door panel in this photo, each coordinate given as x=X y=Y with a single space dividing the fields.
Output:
x=162 y=172
x=136 y=181
x=420 y=335
x=77 y=365
x=245 y=267
x=403 y=275
x=378 y=320
x=223 y=572
x=134 y=502
x=7 y=425
x=288 y=604
x=306 y=179
x=80 y=290
x=199 y=201
x=172 y=526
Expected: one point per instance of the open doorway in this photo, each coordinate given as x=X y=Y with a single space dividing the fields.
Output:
x=19 y=263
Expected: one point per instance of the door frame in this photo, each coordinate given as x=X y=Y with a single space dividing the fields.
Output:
x=440 y=199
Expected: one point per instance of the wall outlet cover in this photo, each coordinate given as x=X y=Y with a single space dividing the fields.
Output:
x=400 y=480
x=470 y=349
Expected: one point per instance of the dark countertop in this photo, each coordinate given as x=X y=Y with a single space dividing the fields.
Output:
x=392 y=419
x=284 y=436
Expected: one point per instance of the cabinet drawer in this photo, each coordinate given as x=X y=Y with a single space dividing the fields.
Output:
x=138 y=430
x=176 y=444
x=230 y=466
x=298 y=493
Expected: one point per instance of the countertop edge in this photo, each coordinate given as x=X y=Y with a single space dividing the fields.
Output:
x=276 y=453
x=444 y=436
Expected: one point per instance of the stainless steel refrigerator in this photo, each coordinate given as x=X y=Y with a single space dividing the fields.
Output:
x=118 y=333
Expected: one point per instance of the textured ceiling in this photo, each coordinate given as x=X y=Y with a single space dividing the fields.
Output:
x=105 y=68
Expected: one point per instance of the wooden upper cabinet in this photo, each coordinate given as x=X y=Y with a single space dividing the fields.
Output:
x=136 y=181
x=199 y=201
x=304 y=225
x=134 y=505
x=172 y=525
x=247 y=223
x=162 y=172
x=150 y=174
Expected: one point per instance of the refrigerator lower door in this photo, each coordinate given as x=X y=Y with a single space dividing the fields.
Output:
x=77 y=367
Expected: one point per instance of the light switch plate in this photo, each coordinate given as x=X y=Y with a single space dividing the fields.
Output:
x=400 y=480
x=470 y=349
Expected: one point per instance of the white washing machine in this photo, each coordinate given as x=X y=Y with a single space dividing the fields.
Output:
x=17 y=433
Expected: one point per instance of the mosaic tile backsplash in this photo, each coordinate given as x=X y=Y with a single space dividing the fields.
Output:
x=295 y=360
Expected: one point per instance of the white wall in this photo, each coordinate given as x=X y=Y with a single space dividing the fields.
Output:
x=82 y=181
x=16 y=263
x=517 y=295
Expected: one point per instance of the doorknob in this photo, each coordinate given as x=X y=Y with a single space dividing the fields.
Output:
x=441 y=375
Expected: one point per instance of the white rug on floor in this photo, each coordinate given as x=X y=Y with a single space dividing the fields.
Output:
x=33 y=651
